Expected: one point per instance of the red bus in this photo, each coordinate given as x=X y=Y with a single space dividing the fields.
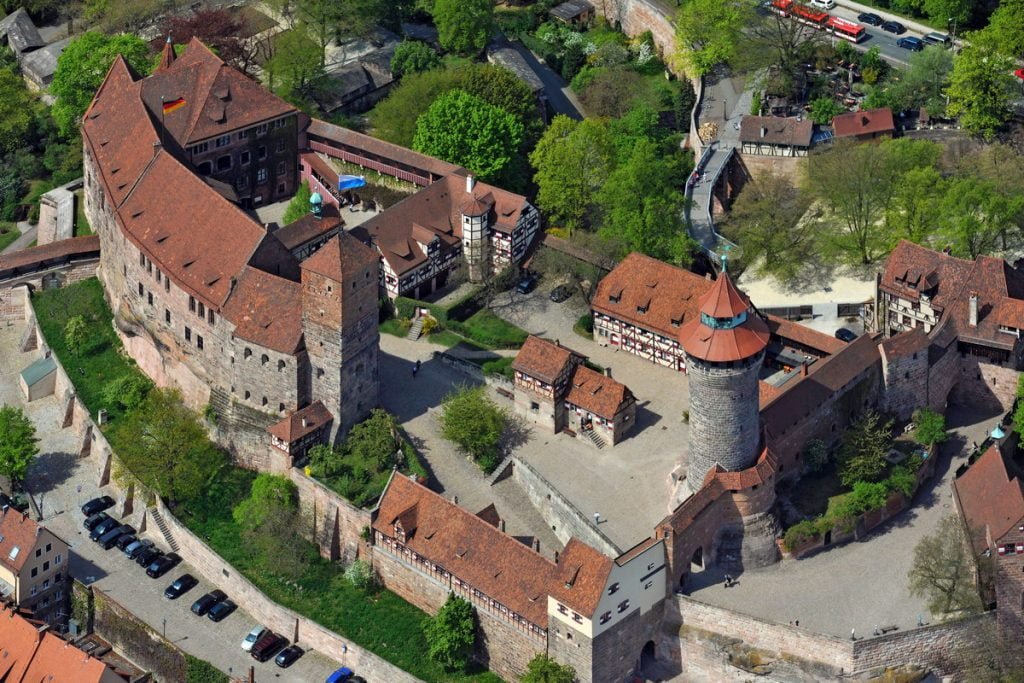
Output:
x=801 y=13
x=847 y=30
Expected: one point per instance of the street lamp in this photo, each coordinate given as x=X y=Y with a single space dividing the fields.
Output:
x=952 y=20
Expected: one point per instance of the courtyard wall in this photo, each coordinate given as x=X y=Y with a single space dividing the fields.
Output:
x=338 y=524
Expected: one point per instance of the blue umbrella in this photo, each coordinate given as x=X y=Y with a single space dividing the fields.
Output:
x=350 y=182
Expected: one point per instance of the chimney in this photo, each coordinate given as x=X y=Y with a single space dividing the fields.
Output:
x=607 y=372
x=157 y=146
x=764 y=131
x=803 y=369
x=501 y=525
x=556 y=557
x=305 y=422
x=470 y=183
x=972 y=316
x=536 y=544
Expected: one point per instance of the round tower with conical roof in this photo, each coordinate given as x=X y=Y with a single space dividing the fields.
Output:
x=724 y=349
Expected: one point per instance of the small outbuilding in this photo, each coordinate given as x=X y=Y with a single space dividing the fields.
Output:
x=776 y=136
x=39 y=380
x=578 y=13
x=870 y=124
x=18 y=32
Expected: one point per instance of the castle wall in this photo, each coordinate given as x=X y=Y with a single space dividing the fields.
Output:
x=942 y=376
x=690 y=528
x=984 y=384
x=905 y=379
x=338 y=525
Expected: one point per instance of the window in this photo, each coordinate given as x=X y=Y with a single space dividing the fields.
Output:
x=57 y=560
x=141 y=289
x=241 y=182
x=280 y=188
x=205 y=168
x=167 y=316
x=243 y=134
x=201 y=309
x=46 y=602
x=149 y=298
x=59 y=595
x=280 y=145
x=562 y=609
x=201 y=147
x=46 y=566
x=35 y=570
x=245 y=157
x=247 y=353
x=188 y=333
x=46 y=584
x=223 y=140
x=264 y=359
x=534 y=405
x=280 y=123
x=264 y=402
x=167 y=285
x=192 y=304
x=605 y=618
x=261 y=152
x=280 y=365
x=577 y=618
x=199 y=341
x=613 y=589
x=39 y=552
x=261 y=129
x=319 y=373
x=623 y=606
x=210 y=317
x=247 y=394
x=34 y=591
x=261 y=175
x=224 y=163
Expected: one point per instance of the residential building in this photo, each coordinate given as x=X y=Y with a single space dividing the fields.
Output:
x=555 y=388
x=870 y=124
x=30 y=653
x=776 y=136
x=34 y=566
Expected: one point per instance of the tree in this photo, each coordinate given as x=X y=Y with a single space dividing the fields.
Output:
x=944 y=12
x=815 y=455
x=611 y=92
x=781 y=45
x=116 y=16
x=914 y=208
x=271 y=494
x=76 y=334
x=474 y=423
x=974 y=215
x=17 y=111
x=922 y=85
x=329 y=20
x=299 y=205
x=463 y=26
x=572 y=160
x=1005 y=30
x=943 y=572
x=544 y=669
x=18 y=444
x=768 y=220
x=981 y=87
x=126 y=391
x=413 y=56
x=220 y=30
x=929 y=427
x=451 y=634
x=297 y=62
x=862 y=453
x=465 y=130
x=82 y=67
x=167 y=448
x=824 y=109
x=709 y=31
x=360 y=574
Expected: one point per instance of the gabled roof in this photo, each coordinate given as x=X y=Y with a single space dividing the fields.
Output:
x=20 y=32
x=543 y=359
x=266 y=310
x=569 y=10
x=597 y=393
x=794 y=333
x=57 y=661
x=380 y=149
x=19 y=639
x=292 y=429
x=776 y=130
x=867 y=122
x=309 y=228
x=19 y=534
x=905 y=344
x=912 y=269
x=724 y=344
x=342 y=257
x=991 y=499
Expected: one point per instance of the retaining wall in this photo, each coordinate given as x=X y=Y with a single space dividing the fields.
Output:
x=338 y=523
x=132 y=637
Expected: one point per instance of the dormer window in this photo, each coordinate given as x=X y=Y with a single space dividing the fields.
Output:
x=641 y=309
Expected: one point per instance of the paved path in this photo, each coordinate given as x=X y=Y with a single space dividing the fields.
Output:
x=560 y=95
x=61 y=482
x=27 y=237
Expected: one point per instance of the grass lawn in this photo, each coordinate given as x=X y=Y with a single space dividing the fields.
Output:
x=394 y=327
x=8 y=233
x=82 y=226
x=487 y=329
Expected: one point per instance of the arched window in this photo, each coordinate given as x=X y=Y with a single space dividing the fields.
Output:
x=247 y=353
x=247 y=394
x=264 y=359
x=264 y=400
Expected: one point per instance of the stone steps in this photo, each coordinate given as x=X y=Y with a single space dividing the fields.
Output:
x=598 y=441
x=162 y=526
x=416 y=330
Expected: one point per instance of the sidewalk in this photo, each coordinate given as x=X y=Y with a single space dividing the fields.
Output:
x=28 y=236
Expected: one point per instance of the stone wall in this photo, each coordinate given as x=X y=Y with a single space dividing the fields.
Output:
x=931 y=647
x=943 y=375
x=636 y=16
x=13 y=305
x=338 y=524
x=565 y=519
x=906 y=382
x=133 y=638
x=55 y=276
x=985 y=385
x=758 y=166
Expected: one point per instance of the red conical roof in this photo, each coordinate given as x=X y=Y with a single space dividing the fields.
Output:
x=166 y=55
x=723 y=300
x=723 y=344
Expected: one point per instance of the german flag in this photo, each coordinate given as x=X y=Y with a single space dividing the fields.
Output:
x=174 y=105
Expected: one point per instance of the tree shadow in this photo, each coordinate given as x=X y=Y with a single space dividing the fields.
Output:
x=517 y=434
x=50 y=470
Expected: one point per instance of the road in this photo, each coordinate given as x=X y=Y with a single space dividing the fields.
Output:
x=560 y=96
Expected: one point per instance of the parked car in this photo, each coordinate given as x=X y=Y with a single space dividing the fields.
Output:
x=527 y=283
x=823 y=4
x=162 y=565
x=109 y=539
x=97 y=505
x=125 y=540
x=560 y=293
x=18 y=501
x=103 y=527
x=221 y=610
x=255 y=634
x=267 y=646
x=936 y=38
x=870 y=18
x=93 y=521
x=183 y=584
x=287 y=656
x=893 y=27
x=146 y=557
x=843 y=334
x=136 y=548
x=342 y=675
x=203 y=604
x=910 y=43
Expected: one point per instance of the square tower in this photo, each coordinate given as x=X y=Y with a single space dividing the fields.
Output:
x=339 y=322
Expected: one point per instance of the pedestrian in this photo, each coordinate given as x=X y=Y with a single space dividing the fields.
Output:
x=728 y=580
x=415 y=369
x=597 y=518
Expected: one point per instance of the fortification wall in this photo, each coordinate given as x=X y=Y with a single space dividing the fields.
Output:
x=338 y=524
x=985 y=385
x=135 y=639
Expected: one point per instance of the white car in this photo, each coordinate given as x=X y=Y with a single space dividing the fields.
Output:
x=255 y=634
x=823 y=4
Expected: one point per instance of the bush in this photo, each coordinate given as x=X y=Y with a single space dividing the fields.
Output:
x=815 y=455
x=901 y=480
x=201 y=671
x=127 y=391
x=451 y=634
x=474 y=423
x=929 y=427
x=360 y=574
x=799 y=534
x=412 y=56
x=585 y=325
x=299 y=205
x=501 y=366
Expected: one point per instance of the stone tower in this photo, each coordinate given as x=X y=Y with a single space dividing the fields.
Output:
x=724 y=349
x=339 y=321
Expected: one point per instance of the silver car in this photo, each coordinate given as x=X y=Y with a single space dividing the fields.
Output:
x=255 y=634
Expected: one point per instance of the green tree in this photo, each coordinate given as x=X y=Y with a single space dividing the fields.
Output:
x=360 y=574
x=82 y=67
x=126 y=391
x=974 y=216
x=544 y=669
x=299 y=205
x=914 y=208
x=412 y=57
x=1005 y=30
x=167 y=448
x=943 y=572
x=922 y=85
x=466 y=130
x=815 y=455
x=271 y=494
x=451 y=634
x=17 y=111
x=709 y=31
x=76 y=334
x=981 y=87
x=463 y=26
x=474 y=423
x=861 y=455
x=18 y=444
x=929 y=427
x=943 y=12
x=611 y=92
x=572 y=160
x=824 y=109
x=297 y=62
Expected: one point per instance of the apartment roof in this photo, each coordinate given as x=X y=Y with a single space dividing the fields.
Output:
x=776 y=130
x=489 y=560
x=543 y=358
x=991 y=499
x=18 y=535
x=341 y=258
x=667 y=294
x=384 y=151
x=292 y=429
x=57 y=661
x=597 y=393
x=867 y=122
x=724 y=344
x=266 y=310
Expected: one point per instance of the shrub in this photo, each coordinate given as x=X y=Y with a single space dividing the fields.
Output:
x=299 y=205
x=474 y=423
x=429 y=325
x=412 y=56
x=76 y=334
x=360 y=574
x=585 y=325
x=799 y=533
x=815 y=455
x=451 y=634
x=501 y=366
x=901 y=480
x=126 y=391
x=929 y=427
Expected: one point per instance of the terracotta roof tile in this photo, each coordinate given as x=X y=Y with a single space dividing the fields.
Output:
x=19 y=639
x=776 y=130
x=57 y=661
x=266 y=310
x=497 y=564
x=309 y=228
x=793 y=332
x=905 y=343
x=991 y=498
x=867 y=122
x=718 y=344
x=290 y=429
x=24 y=258
x=597 y=393
x=385 y=151
x=342 y=256
x=543 y=359
x=18 y=534
x=670 y=294
x=761 y=473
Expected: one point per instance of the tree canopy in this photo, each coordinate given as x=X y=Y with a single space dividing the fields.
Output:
x=297 y=62
x=544 y=669
x=463 y=26
x=943 y=572
x=981 y=86
x=474 y=423
x=270 y=495
x=220 y=30
x=82 y=67
x=861 y=455
x=18 y=444
x=708 y=32
x=413 y=56
x=451 y=634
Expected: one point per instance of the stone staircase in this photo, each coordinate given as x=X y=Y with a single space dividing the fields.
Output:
x=416 y=330
x=598 y=441
x=162 y=526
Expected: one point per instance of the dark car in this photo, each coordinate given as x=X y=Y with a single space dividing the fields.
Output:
x=222 y=609
x=136 y=548
x=18 y=501
x=893 y=27
x=125 y=540
x=109 y=539
x=870 y=18
x=342 y=675
x=267 y=646
x=181 y=585
x=93 y=521
x=910 y=43
x=526 y=283
x=146 y=557
x=560 y=293
x=287 y=656
x=162 y=565
x=843 y=334
x=203 y=604
x=97 y=505
x=103 y=527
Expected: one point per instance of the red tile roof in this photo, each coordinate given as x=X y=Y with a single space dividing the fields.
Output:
x=794 y=333
x=906 y=343
x=17 y=531
x=309 y=227
x=341 y=257
x=991 y=499
x=912 y=269
x=867 y=122
x=384 y=151
x=24 y=259
x=597 y=393
x=19 y=639
x=291 y=429
x=776 y=130
x=543 y=359
x=487 y=559
x=761 y=473
x=256 y=305
x=669 y=294
x=57 y=661
x=717 y=344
